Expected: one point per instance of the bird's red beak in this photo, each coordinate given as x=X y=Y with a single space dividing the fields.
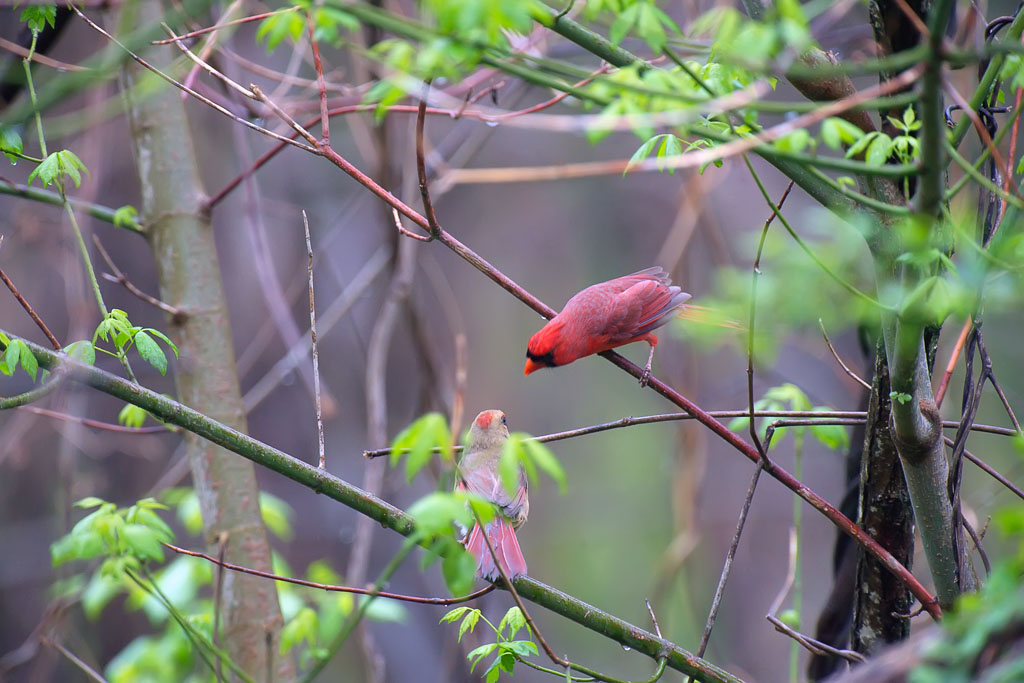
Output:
x=532 y=366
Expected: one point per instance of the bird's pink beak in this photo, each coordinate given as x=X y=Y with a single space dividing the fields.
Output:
x=532 y=366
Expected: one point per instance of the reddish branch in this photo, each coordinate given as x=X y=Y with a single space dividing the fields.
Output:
x=331 y=587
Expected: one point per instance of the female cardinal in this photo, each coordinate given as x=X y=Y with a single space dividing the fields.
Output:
x=478 y=473
x=605 y=316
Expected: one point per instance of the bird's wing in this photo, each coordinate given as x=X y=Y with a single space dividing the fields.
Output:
x=641 y=308
x=487 y=484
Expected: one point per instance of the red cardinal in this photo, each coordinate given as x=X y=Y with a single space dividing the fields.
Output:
x=478 y=473
x=605 y=316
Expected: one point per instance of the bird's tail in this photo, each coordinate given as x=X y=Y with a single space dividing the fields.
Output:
x=506 y=548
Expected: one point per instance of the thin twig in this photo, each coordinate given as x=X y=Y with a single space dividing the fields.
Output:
x=96 y=424
x=122 y=279
x=78 y=662
x=325 y=120
x=407 y=233
x=222 y=548
x=839 y=360
x=283 y=115
x=421 y=170
x=815 y=646
x=988 y=469
x=330 y=587
x=28 y=308
x=205 y=100
x=38 y=58
x=217 y=27
x=727 y=567
x=316 y=355
x=954 y=356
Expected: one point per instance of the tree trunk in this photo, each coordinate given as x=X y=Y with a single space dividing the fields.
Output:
x=180 y=233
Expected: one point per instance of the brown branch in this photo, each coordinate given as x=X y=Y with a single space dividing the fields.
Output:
x=119 y=277
x=815 y=646
x=96 y=424
x=334 y=588
x=22 y=52
x=988 y=469
x=217 y=27
x=729 y=557
x=839 y=360
x=421 y=170
x=325 y=120
x=28 y=307
x=316 y=355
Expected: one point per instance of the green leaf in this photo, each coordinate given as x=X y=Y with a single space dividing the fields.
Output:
x=459 y=570
x=420 y=438
x=150 y=351
x=277 y=515
x=469 y=623
x=143 y=541
x=901 y=397
x=454 y=614
x=160 y=335
x=512 y=454
x=435 y=513
x=521 y=648
x=12 y=355
x=277 y=27
x=834 y=437
x=131 y=416
x=479 y=653
x=836 y=132
x=546 y=460
x=89 y=502
x=28 y=360
x=624 y=21
x=645 y=150
x=10 y=142
x=38 y=16
x=513 y=620
x=303 y=627
x=126 y=216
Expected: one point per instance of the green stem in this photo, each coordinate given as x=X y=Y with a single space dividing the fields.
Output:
x=91 y=273
x=386 y=514
x=27 y=65
x=32 y=395
x=982 y=178
x=98 y=211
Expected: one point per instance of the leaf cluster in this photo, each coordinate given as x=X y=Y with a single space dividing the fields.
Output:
x=506 y=648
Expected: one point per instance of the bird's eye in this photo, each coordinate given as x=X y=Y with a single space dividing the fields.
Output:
x=504 y=421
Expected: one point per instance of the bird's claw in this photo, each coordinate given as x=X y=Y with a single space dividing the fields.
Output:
x=645 y=377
